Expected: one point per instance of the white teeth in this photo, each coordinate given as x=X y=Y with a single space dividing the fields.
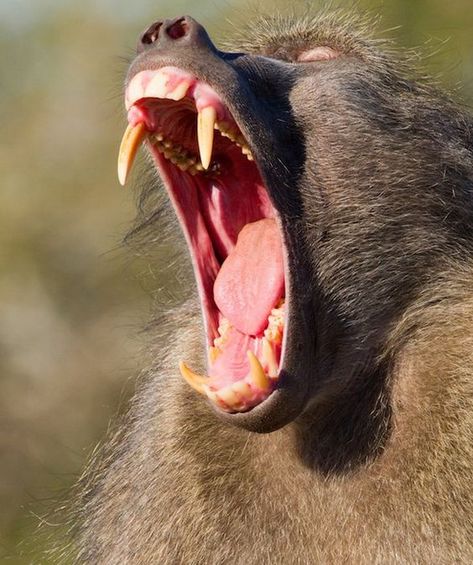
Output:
x=205 y=134
x=229 y=396
x=269 y=358
x=134 y=91
x=157 y=86
x=227 y=131
x=206 y=124
x=176 y=154
x=179 y=92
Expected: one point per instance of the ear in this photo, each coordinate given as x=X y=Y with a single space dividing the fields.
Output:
x=321 y=53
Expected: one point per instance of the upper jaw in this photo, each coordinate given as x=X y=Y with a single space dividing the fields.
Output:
x=287 y=401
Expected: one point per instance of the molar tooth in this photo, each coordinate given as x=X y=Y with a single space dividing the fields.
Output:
x=132 y=139
x=222 y=127
x=197 y=382
x=257 y=374
x=205 y=134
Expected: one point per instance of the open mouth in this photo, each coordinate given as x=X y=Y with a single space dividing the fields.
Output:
x=230 y=224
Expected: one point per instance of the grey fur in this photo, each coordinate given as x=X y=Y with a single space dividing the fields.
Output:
x=373 y=173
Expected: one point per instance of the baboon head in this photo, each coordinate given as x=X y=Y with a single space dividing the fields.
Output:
x=318 y=188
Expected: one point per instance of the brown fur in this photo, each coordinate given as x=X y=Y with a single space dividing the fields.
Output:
x=378 y=469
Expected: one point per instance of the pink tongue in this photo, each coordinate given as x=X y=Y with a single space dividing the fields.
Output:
x=251 y=280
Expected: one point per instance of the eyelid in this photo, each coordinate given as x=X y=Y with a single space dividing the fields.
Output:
x=321 y=53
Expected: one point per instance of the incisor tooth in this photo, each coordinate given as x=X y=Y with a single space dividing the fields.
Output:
x=258 y=376
x=179 y=92
x=157 y=86
x=229 y=396
x=197 y=382
x=132 y=139
x=205 y=134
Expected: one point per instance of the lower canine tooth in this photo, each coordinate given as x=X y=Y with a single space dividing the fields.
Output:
x=269 y=358
x=132 y=139
x=257 y=374
x=197 y=382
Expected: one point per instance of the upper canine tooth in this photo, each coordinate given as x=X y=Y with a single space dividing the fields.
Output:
x=132 y=139
x=257 y=374
x=229 y=396
x=205 y=134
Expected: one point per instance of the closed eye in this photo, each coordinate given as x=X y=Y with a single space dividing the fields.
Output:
x=322 y=53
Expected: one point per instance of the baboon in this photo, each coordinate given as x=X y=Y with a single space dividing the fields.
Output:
x=325 y=195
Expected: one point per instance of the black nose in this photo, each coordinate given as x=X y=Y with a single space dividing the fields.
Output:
x=167 y=33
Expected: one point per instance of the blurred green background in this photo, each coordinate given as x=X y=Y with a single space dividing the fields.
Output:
x=72 y=298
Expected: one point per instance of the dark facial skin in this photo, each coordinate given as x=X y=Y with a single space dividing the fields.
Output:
x=370 y=459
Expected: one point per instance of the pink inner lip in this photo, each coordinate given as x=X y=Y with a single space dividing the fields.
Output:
x=230 y=226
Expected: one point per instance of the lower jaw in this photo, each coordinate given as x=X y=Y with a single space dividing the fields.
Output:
x=242 y=390
x=259 y=358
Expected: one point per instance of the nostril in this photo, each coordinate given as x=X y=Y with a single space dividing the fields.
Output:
x=165 y=33
x=178 y=29
x=151 y=34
